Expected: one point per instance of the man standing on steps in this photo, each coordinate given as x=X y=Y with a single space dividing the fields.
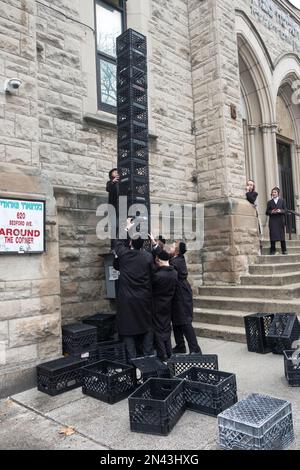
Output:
x=276 y=210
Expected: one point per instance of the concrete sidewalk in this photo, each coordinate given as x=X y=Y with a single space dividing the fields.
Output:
x=32 y=420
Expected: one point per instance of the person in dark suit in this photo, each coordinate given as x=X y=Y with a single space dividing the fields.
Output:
x=134 y=296
x=112 y=187
x=163 y=286
x=276 y=210
x=182 y=307
x=251 y=194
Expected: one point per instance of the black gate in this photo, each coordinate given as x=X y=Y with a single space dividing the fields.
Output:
x=286 y=179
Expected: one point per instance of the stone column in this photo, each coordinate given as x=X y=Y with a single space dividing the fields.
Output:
x=230 y=224
x=297 y=185
x=252 y=159
x=270 y=155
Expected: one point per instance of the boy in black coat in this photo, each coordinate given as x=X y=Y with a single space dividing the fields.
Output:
x=134 y=296
x=276 y=210
x=163 y=287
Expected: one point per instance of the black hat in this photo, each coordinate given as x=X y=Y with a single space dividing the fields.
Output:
x=163 y=255
x=182 y=248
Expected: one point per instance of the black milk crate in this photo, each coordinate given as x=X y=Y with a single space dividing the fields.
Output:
x=258 y=422
x=133 y=148
x=132 y=95
x=257 y=327
x=136 y=131
x=105 y=324
x=284 y=330
x=182 y=362
x=292 y=367
x=150 y=366
x=208 y=391
x=132 y=59
x=60 y=375
x=108 y=381
x=135 y=114
x=78 y=337
x=129 y=75
x=156 y=406
x=112 y=351
x=134 y=167
x=131 y=39
x=90 y=354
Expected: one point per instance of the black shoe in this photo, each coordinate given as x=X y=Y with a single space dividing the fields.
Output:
x=272 y=252
x=284 y=252
x=179 y=350
x=196 y=352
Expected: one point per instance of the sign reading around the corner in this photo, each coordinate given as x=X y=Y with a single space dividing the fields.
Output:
x=22 y=226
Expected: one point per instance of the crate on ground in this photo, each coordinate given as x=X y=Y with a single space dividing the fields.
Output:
x=181 y=362
x=156 y=406
x=105 y=323
x=257 y=327
x=258 y=422
x=78 y=337
x=91 y=354
x=208 y=391
x=60 y=375
x=292 y=367
x=108 y=381
x=150 y=366
x=284 y=330
x=112 y=351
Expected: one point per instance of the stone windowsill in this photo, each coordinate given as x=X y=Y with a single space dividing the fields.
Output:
x=108 y=120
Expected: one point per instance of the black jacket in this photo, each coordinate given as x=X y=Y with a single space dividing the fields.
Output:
x=113 y=193
x=182 y=308
x=277 y=222
x=251 y=197
x=163 y=287
x=134 y=296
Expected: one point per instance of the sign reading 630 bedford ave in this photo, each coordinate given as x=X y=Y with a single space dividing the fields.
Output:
x=22 y=226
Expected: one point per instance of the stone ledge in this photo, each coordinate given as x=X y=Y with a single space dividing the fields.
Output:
x=108 y=120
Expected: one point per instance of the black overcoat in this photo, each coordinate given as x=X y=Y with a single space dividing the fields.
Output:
x=251 y=196
x=163 y=286
x=182 y=308
x=113 y=193
x=277 y=221
x=134 y=296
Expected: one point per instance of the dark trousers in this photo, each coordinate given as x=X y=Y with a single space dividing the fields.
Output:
x=186 y=331
x=163 y=345
x=132 y=341
x=273 y=247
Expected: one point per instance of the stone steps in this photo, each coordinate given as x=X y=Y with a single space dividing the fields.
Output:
x=291 y=250
x=226 y=333
x=252 y=291
x=247 y=304
x=264 y=269
x=219 y=317
x=271 y=279
x=278 y=259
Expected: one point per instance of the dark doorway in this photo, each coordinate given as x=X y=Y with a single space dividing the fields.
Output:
x=286 y=178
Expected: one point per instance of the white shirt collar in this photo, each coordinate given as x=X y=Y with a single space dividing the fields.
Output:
x=275 y=199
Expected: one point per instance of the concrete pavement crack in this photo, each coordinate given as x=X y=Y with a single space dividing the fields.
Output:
x=29 y=408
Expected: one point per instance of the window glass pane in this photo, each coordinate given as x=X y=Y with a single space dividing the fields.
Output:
x=108 y=82
x=109 y=27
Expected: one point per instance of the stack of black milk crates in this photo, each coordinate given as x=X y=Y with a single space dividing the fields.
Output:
x=80 y=341
x=108 y=381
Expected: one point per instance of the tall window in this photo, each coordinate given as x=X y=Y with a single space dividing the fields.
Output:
x=110 y=23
